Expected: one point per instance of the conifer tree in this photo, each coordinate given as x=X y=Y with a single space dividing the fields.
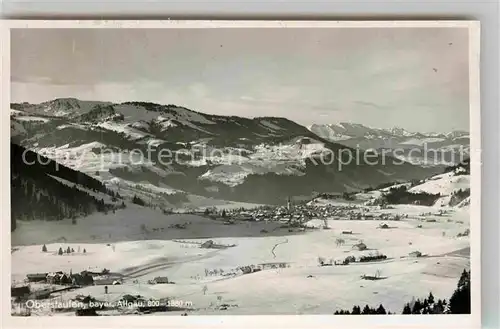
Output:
x=381 y=310
x=417 y=307
x=44 y=248
x=430 y=299
x=460 y=301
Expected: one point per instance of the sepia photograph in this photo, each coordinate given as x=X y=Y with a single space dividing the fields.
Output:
x=204 y=169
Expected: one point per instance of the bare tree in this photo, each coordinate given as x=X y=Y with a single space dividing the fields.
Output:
x=321 y=260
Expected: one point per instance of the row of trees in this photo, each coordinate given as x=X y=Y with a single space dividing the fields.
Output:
x=356 y=310
x=369 y=258
x=67 y=251
x=459 y=303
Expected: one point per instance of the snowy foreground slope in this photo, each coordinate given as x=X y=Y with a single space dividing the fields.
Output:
x=116 y=242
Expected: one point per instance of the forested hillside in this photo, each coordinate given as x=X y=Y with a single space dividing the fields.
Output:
x=46 y=190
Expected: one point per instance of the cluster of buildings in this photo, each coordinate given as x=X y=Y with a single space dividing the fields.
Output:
x=84 y=278
x=301 y=213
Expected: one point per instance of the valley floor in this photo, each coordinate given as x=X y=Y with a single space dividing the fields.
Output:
x=302 y=286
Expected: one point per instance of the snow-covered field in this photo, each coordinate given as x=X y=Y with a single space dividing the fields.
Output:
x=117 y=242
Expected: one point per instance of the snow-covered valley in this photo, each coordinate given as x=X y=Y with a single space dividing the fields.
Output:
x=117 y=242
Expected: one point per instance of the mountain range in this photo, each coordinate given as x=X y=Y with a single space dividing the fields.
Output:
x=261 y=160
x=426 y=149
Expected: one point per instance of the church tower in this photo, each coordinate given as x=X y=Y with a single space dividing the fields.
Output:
x=289 y=205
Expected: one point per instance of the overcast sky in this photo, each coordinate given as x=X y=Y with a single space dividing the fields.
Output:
x=415 y=78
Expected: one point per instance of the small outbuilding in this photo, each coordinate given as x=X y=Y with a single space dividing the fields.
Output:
x=160 y=280
x=359 y=246
x=37 y=277
x=415 y=254
x=207 y=244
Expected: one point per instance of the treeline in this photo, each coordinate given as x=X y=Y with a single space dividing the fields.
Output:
x=463 y=168
x=356 y=310
x=380 y=186
x=459 y=303
x=333 y=196
x=100 y=112
x=459 y=196
x=413 y=182
x=401 y=195
x=175 y=198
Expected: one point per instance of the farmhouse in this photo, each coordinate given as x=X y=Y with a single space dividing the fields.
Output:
x=83 y=279
x=360 y=246
x=160 y=280
x=22 y=291
x=130 y=299
x=415 y=254
x=207 y=244
x=41 y=294
x=37 y=277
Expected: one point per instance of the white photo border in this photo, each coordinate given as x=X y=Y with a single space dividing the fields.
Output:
x=304 y=321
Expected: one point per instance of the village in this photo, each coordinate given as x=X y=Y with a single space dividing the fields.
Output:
x=295 y=214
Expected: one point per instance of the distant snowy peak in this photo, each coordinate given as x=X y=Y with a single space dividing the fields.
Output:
x=396 y=131
x=354 y=130
x=458 y=134
x=444 y=148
